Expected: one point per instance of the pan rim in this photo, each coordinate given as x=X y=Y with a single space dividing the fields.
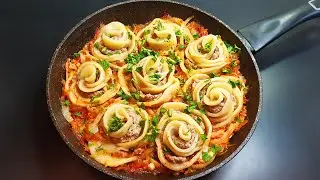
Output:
x=94 y=164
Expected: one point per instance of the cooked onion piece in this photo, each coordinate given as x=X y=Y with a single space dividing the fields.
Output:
x=205 y=55
x=115 y=41
x=152 y=80
x=163 y=35
x=91 y=84
x=182 y=137
x=221 y=97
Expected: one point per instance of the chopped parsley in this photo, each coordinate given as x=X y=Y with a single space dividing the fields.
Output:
x=115 y=124
x=181 y=46
x=232 y=49
x=215 y=149
x=207 y=46
x=235 y=84
x=142 y=106
x=96 y=45
x=203 y=137
x=152 y=134
x=142 y=123
x=155 y=77
x=76 y=55
x=174 y=59
x=133 y=59
x=178 y=33
x=139 y=68
x=66 y=102
x=129 y=35
x=153 y=131
x=186 y=39
x=202 y=110
x=136 y=95
x=147 y=31
x=163 y=110
x=155 y=120
x=196 y=35
x=212 y=75
x=190 y=108
x=226 y=71
x=169 y=112
x=123 y=95
x=105 y=64
x=198 y=120
x=206 y=157
x=79 y=114
x=94 y=99
x=234 y=63
x=159 y=26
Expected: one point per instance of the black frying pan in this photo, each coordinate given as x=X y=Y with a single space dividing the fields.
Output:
x=250 y=39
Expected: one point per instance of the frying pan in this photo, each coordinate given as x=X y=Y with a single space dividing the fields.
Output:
x=250 y=39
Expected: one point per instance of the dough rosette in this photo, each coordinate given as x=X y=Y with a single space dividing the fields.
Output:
x=125 y=126
x=92 y=83
x=205 y=55
x=114 y=42
x=182 y=138
x=163 y=35
x=221 y=97
x=153 y=82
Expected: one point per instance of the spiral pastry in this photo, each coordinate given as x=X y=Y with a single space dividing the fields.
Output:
x=91 y=84
x=125 y=126
x=205 y=55
x=221 y=97
x=180 y=143
x=154 y=82
x=162 y=35
x=114 y=42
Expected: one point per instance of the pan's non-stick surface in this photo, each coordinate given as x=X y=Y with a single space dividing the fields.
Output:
x=142 y=12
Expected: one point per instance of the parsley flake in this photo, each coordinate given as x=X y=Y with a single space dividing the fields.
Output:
x=196 y=35
x=115 y=124
x=105 y=64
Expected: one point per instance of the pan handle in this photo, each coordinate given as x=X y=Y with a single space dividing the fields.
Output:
x=261 y=33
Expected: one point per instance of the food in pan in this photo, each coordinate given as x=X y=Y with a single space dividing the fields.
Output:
x=160 y=97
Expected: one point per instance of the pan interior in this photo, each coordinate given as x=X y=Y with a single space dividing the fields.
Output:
x=137 y=13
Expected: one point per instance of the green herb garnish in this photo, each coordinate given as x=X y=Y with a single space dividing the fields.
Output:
x=178 y=33
x=139 y=68
x=155 y=77
x=198 y=120
x=206 y=157
x=162 y=110
x=181 y=46
x=155 y=120
x=66 y=102
x=76 y=55
x=115 y=124
x=105 y=64
x=196 y=35
x=123 y=95
x=159 y=26
x=234 y=63
x=136 y=95
x=207 y=46
x=203 y=137
x=147 y=31
x=129 y=35
x=96 y=45
x=226 y=71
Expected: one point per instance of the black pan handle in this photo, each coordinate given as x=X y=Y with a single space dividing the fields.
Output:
x=261 y=33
